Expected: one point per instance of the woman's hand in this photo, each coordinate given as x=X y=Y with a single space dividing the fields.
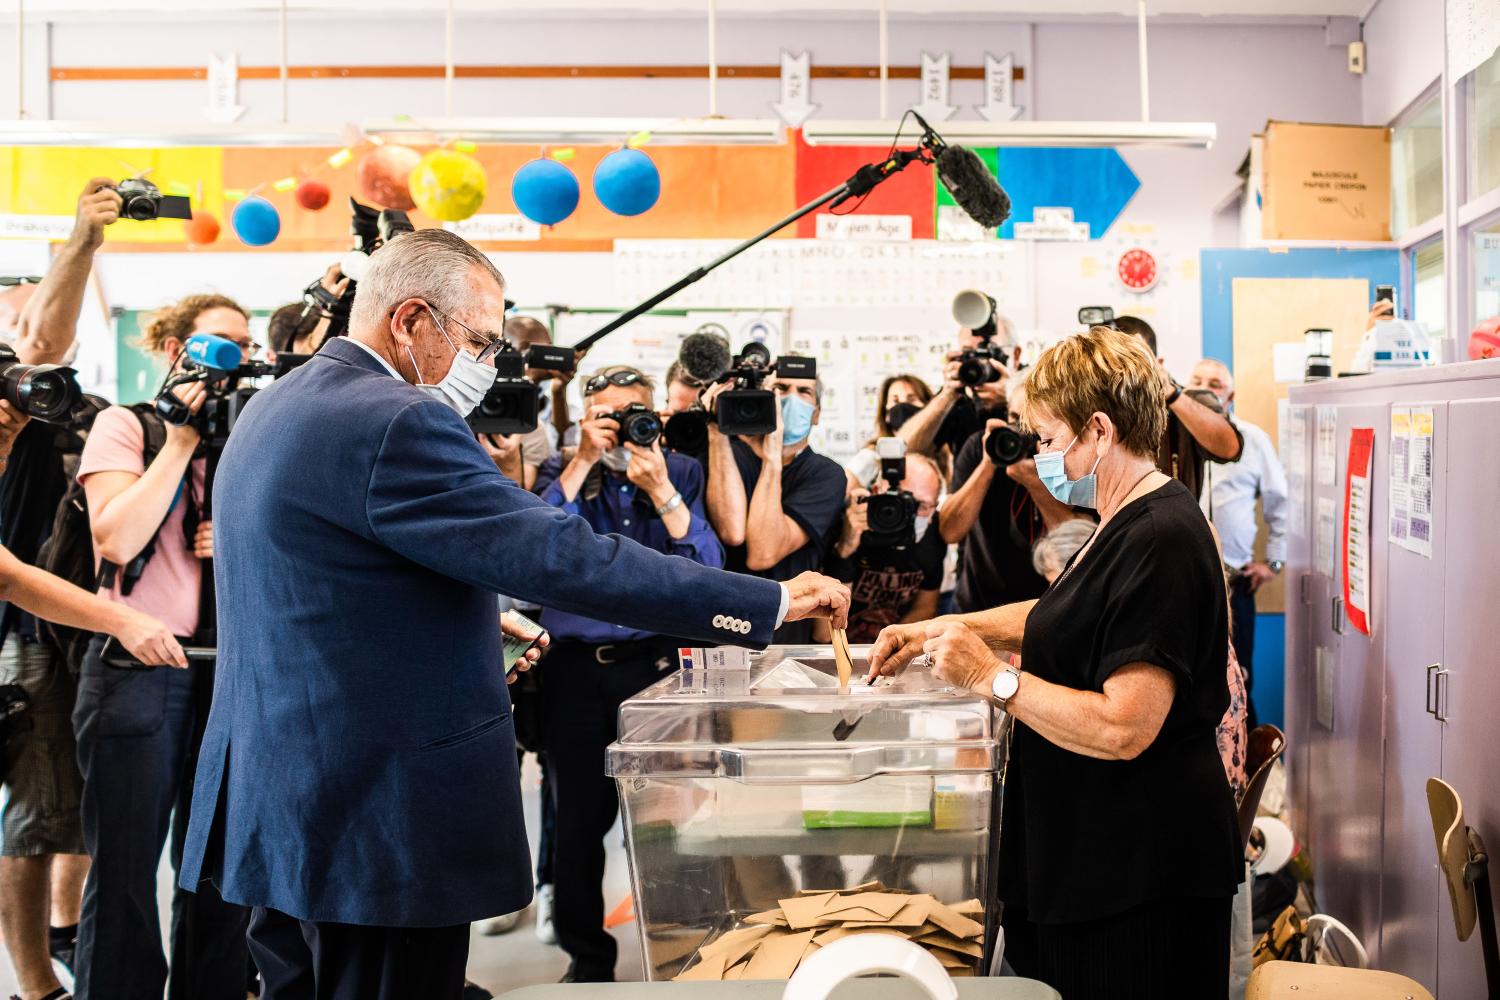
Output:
x=149 y=641
x=895 y=647
x=960 y=657
x=203 y=540
x=192 y=395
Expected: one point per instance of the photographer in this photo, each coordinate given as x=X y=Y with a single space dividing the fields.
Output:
x=961 y=407
x=997 y=517
x=901 y=397
x=138 y=730
x=556 y=418
x=43 y=856
x=296 y=329
x=1198 y=432
x=773 y=501
x=682 y=390
x=617 y=486
x=890 y=579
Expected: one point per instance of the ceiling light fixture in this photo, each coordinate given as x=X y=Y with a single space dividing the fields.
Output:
x=1190 y=135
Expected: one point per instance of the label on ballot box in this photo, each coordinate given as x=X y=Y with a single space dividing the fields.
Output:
x=713 y=658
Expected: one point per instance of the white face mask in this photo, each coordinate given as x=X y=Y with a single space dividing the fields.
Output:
x=920 y=524
x=616 y=459
x=466 y=382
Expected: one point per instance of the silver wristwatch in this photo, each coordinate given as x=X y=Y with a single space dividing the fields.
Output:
x=670 y=505
x=1005 y=685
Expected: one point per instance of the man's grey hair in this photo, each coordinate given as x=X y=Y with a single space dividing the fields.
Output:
x=1056 y=547
x=430 y=264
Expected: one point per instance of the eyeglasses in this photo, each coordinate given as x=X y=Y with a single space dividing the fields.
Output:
x=600 y=382
x=8 y=281
x=493 y=342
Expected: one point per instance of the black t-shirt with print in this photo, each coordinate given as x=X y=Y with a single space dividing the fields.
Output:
x=884 y=580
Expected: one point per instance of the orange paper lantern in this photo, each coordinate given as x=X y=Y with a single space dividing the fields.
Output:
x=202 y=228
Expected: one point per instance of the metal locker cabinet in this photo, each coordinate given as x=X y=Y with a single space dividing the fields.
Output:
x=1470 y=670
x=1345 y=776
x=1299 y=576
x=1409 y=623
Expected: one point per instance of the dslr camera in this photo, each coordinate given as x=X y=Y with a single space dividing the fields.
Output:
x=639 y=424
x=215 y=362
x=892 y=515
x=47 y=392
x=976 y=311
x=1006 y=446
x=142 y=201
x=1091 y=316
x=748 y=409
x=511 y=405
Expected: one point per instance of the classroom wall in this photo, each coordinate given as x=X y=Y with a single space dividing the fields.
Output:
x=1234 y=73
x=1403 y=56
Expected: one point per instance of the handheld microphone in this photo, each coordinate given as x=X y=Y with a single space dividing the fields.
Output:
x=704 y=356
x=205 y=350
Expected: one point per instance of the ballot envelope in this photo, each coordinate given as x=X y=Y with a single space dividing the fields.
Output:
x=768 y=813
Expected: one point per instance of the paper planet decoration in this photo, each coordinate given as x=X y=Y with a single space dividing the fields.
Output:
x=627 y=182
x=545 y=191
x=383 y=175
x=448 y=186
x=256 y=221
x=202 y=228
x=312 y=195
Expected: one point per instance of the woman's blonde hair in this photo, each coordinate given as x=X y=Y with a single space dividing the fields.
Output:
x=1102 y=371
x=175 y=322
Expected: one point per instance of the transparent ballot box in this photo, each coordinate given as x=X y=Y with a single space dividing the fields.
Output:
x=743 y=788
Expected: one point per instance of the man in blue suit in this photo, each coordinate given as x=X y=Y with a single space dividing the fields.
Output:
x=357 y=782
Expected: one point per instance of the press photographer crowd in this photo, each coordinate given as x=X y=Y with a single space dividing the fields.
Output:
x=256 y=617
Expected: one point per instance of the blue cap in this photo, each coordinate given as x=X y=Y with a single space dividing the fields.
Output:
x=209 y=351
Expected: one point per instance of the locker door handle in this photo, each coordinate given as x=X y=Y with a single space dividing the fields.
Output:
x=1430 y=709
x=1440 y=697
x=1338 y=616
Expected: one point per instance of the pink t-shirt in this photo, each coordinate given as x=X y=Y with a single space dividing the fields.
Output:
x=168 y=589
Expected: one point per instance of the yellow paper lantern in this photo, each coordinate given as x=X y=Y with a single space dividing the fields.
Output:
x=447 y=185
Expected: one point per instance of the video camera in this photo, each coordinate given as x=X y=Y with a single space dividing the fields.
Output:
x=748 y=409
x=975 y=311
x=215 y=362
x=892 y=515
x=371 y=229
x=1006 y=446
x=47 y=392
x=512 y=404
x=142 y=201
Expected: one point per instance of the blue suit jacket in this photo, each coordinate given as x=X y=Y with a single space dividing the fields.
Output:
x=359 y=763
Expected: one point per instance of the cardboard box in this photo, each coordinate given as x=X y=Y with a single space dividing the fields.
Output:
x=1326 y=182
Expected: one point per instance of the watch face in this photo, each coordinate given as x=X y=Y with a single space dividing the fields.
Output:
x=1005 y=684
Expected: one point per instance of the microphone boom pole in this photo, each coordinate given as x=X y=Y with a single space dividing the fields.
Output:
x=861 y=183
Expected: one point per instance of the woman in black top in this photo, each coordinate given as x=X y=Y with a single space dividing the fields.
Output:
x=1119 y=846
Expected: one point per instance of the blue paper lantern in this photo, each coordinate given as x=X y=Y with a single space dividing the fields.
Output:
x=627 y=182
x=256 y=221
x=545 y=191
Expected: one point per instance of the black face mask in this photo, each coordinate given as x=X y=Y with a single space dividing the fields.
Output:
x=899 y=414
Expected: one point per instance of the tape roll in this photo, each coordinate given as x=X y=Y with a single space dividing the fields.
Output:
x=1280 y=844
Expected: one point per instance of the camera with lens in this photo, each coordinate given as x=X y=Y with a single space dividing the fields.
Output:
x=371 y=229
x=550 y=357
x=1092 y=316
x=47 y=392
x=891 y=516
x=639 y=424
x=214 y=361
x=748 y=409
x=142 y=201
x=1006 y=446
x=686 y=431
x=975 y=311
x=511 y=405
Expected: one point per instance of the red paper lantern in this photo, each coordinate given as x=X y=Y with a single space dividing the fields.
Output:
x=312 y=195
x=202 y=228
x=384 y=174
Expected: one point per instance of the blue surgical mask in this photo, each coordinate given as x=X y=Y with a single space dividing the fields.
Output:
x=796 y=419
x=1075 y=492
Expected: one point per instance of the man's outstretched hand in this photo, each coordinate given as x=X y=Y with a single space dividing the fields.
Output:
x=817 y=596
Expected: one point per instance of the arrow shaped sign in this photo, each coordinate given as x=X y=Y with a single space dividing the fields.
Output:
x=223 y=88
x=999 y=89
x=934 y=104
x=794 y=108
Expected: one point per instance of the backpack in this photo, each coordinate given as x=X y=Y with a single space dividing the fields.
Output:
x=69 y=550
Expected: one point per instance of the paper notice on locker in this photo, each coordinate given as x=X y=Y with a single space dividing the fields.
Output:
x=1419 y=482
x=1357 y=528
x=1399 y=489
x=1325 y=455
x=1326 y=538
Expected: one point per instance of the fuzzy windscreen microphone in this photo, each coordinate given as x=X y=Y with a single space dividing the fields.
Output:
x=971 y=184
x=704 y=356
